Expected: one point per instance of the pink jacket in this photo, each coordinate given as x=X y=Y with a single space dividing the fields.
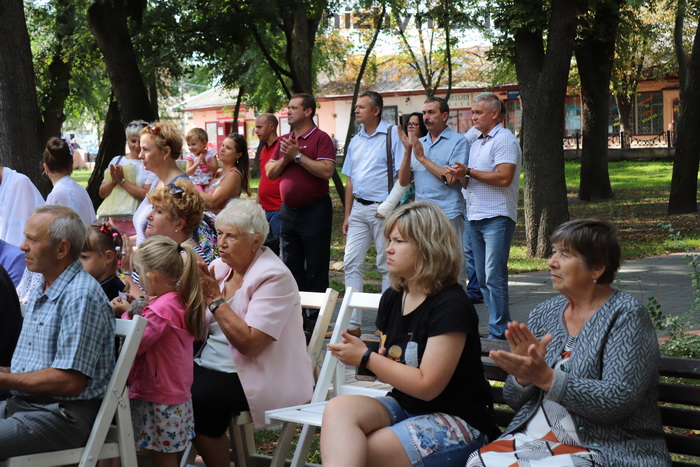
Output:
x=163 y=369
x=268 y=300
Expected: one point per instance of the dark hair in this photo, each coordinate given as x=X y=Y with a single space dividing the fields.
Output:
x=444 y=106
x=307 y=102
x=421 y=126
x=57 y=156
x=376 y=99
x=243 y=162
x=595 y=240
x=271 y=119
x=103 y=237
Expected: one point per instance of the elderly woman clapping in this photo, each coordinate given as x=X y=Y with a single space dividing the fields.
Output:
x=254 y=357
x=584 y=370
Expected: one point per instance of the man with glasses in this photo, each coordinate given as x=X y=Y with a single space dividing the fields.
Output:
x=304 y=162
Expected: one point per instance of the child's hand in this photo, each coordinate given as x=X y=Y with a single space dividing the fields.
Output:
x=120 y=306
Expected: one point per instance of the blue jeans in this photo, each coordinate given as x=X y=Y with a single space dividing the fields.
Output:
x=473 y=289
x=273 y=237
x=491 y=239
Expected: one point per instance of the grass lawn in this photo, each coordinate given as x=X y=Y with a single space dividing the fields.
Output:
x=638 y=210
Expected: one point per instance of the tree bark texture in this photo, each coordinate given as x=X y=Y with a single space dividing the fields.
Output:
x=112 y=144
x=300 y=30
x=595 y=51
x=684 y=181
x=21 y=146
x=59 y=73
x=108 y=23
x=543 y=79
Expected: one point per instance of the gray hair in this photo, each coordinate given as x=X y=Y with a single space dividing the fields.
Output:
x=491 y=100
x=65 y=227
x=247 y=216
x=134 y=128
x=375 y=99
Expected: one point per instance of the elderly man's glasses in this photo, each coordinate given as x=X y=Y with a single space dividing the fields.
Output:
x=175 y=190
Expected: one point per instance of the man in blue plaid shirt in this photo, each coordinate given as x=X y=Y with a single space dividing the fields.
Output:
x=65 y=353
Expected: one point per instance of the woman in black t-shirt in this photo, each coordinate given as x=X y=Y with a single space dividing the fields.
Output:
x=440 y=408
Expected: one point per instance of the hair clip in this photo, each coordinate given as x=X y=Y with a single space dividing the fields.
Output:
x=119 y=262
x=115 y=234
x=104 y=228
x=117 y=249
x=179 y=248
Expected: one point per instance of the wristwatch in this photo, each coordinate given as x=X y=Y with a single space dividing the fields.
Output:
x=121 y=182
x=215 y=304
x=469 y=173
x=297 y=158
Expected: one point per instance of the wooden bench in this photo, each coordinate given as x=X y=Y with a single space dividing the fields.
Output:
x=679 y=422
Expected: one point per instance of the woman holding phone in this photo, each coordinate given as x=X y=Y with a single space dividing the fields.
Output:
x=440 y=409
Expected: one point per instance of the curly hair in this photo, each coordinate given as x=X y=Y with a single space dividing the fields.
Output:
x=165 y=135
x=439 y=255
x=187 y=205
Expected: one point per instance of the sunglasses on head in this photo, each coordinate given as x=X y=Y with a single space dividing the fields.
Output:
x=153 y=128
x=175 y=190
x=136 y=125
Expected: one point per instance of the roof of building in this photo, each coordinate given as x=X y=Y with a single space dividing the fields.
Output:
x=212 y=98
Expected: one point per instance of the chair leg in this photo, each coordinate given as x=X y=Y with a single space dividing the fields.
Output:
x=283 y=443
x=301 y=453
x=238 y=445
x=189 y=456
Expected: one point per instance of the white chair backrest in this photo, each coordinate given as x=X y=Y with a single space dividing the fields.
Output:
x=325 y=303
x=132 y=331
x=331 y=366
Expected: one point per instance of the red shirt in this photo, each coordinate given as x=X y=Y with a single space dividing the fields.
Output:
x=268 y=190
x=297 y=186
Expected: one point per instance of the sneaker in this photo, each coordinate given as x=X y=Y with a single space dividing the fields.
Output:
x=357 y=332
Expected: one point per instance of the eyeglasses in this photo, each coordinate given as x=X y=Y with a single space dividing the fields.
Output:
x=153 y=128
x=412 y=124
x=175 y=190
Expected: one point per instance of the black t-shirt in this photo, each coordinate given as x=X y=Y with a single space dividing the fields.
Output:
x=112 y=287
x=467 y=395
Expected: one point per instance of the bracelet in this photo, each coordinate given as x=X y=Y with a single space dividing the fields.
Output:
x=365 y=359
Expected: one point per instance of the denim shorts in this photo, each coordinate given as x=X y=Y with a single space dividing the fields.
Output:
x=433 y=440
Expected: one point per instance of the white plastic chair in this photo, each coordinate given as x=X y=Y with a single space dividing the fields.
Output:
x=333 y=370
x=106 y=441
x=240 y=430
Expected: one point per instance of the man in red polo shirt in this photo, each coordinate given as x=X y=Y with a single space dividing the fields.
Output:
x=269 y=190
x=304 y=162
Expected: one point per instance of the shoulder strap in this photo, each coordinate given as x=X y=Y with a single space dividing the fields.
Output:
x=389 y=160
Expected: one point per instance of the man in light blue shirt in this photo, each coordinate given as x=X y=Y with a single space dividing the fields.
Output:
x=432 y=155
x=369 y=183
x=64 y=357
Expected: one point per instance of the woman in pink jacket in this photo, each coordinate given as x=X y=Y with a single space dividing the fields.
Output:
x=254 y=357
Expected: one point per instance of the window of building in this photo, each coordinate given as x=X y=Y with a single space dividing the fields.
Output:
x=649 y=113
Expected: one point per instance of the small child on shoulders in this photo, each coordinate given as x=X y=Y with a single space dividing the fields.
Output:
x=202 y=163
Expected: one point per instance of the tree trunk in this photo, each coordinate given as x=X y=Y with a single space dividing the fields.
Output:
x=112 y=144
x=108 y=23
x=624 y=109
x=684 y=181
x=378 y=22
x=300 y=47
x=59 y=73
x=543 y=80
x=594 y=54
x=19 y=113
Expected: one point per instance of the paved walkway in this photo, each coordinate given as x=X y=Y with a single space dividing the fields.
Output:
x=664 y=277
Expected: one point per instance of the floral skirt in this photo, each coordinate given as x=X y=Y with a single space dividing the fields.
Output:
x=162 y=427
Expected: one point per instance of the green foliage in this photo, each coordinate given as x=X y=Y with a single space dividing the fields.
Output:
x=679 y=342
